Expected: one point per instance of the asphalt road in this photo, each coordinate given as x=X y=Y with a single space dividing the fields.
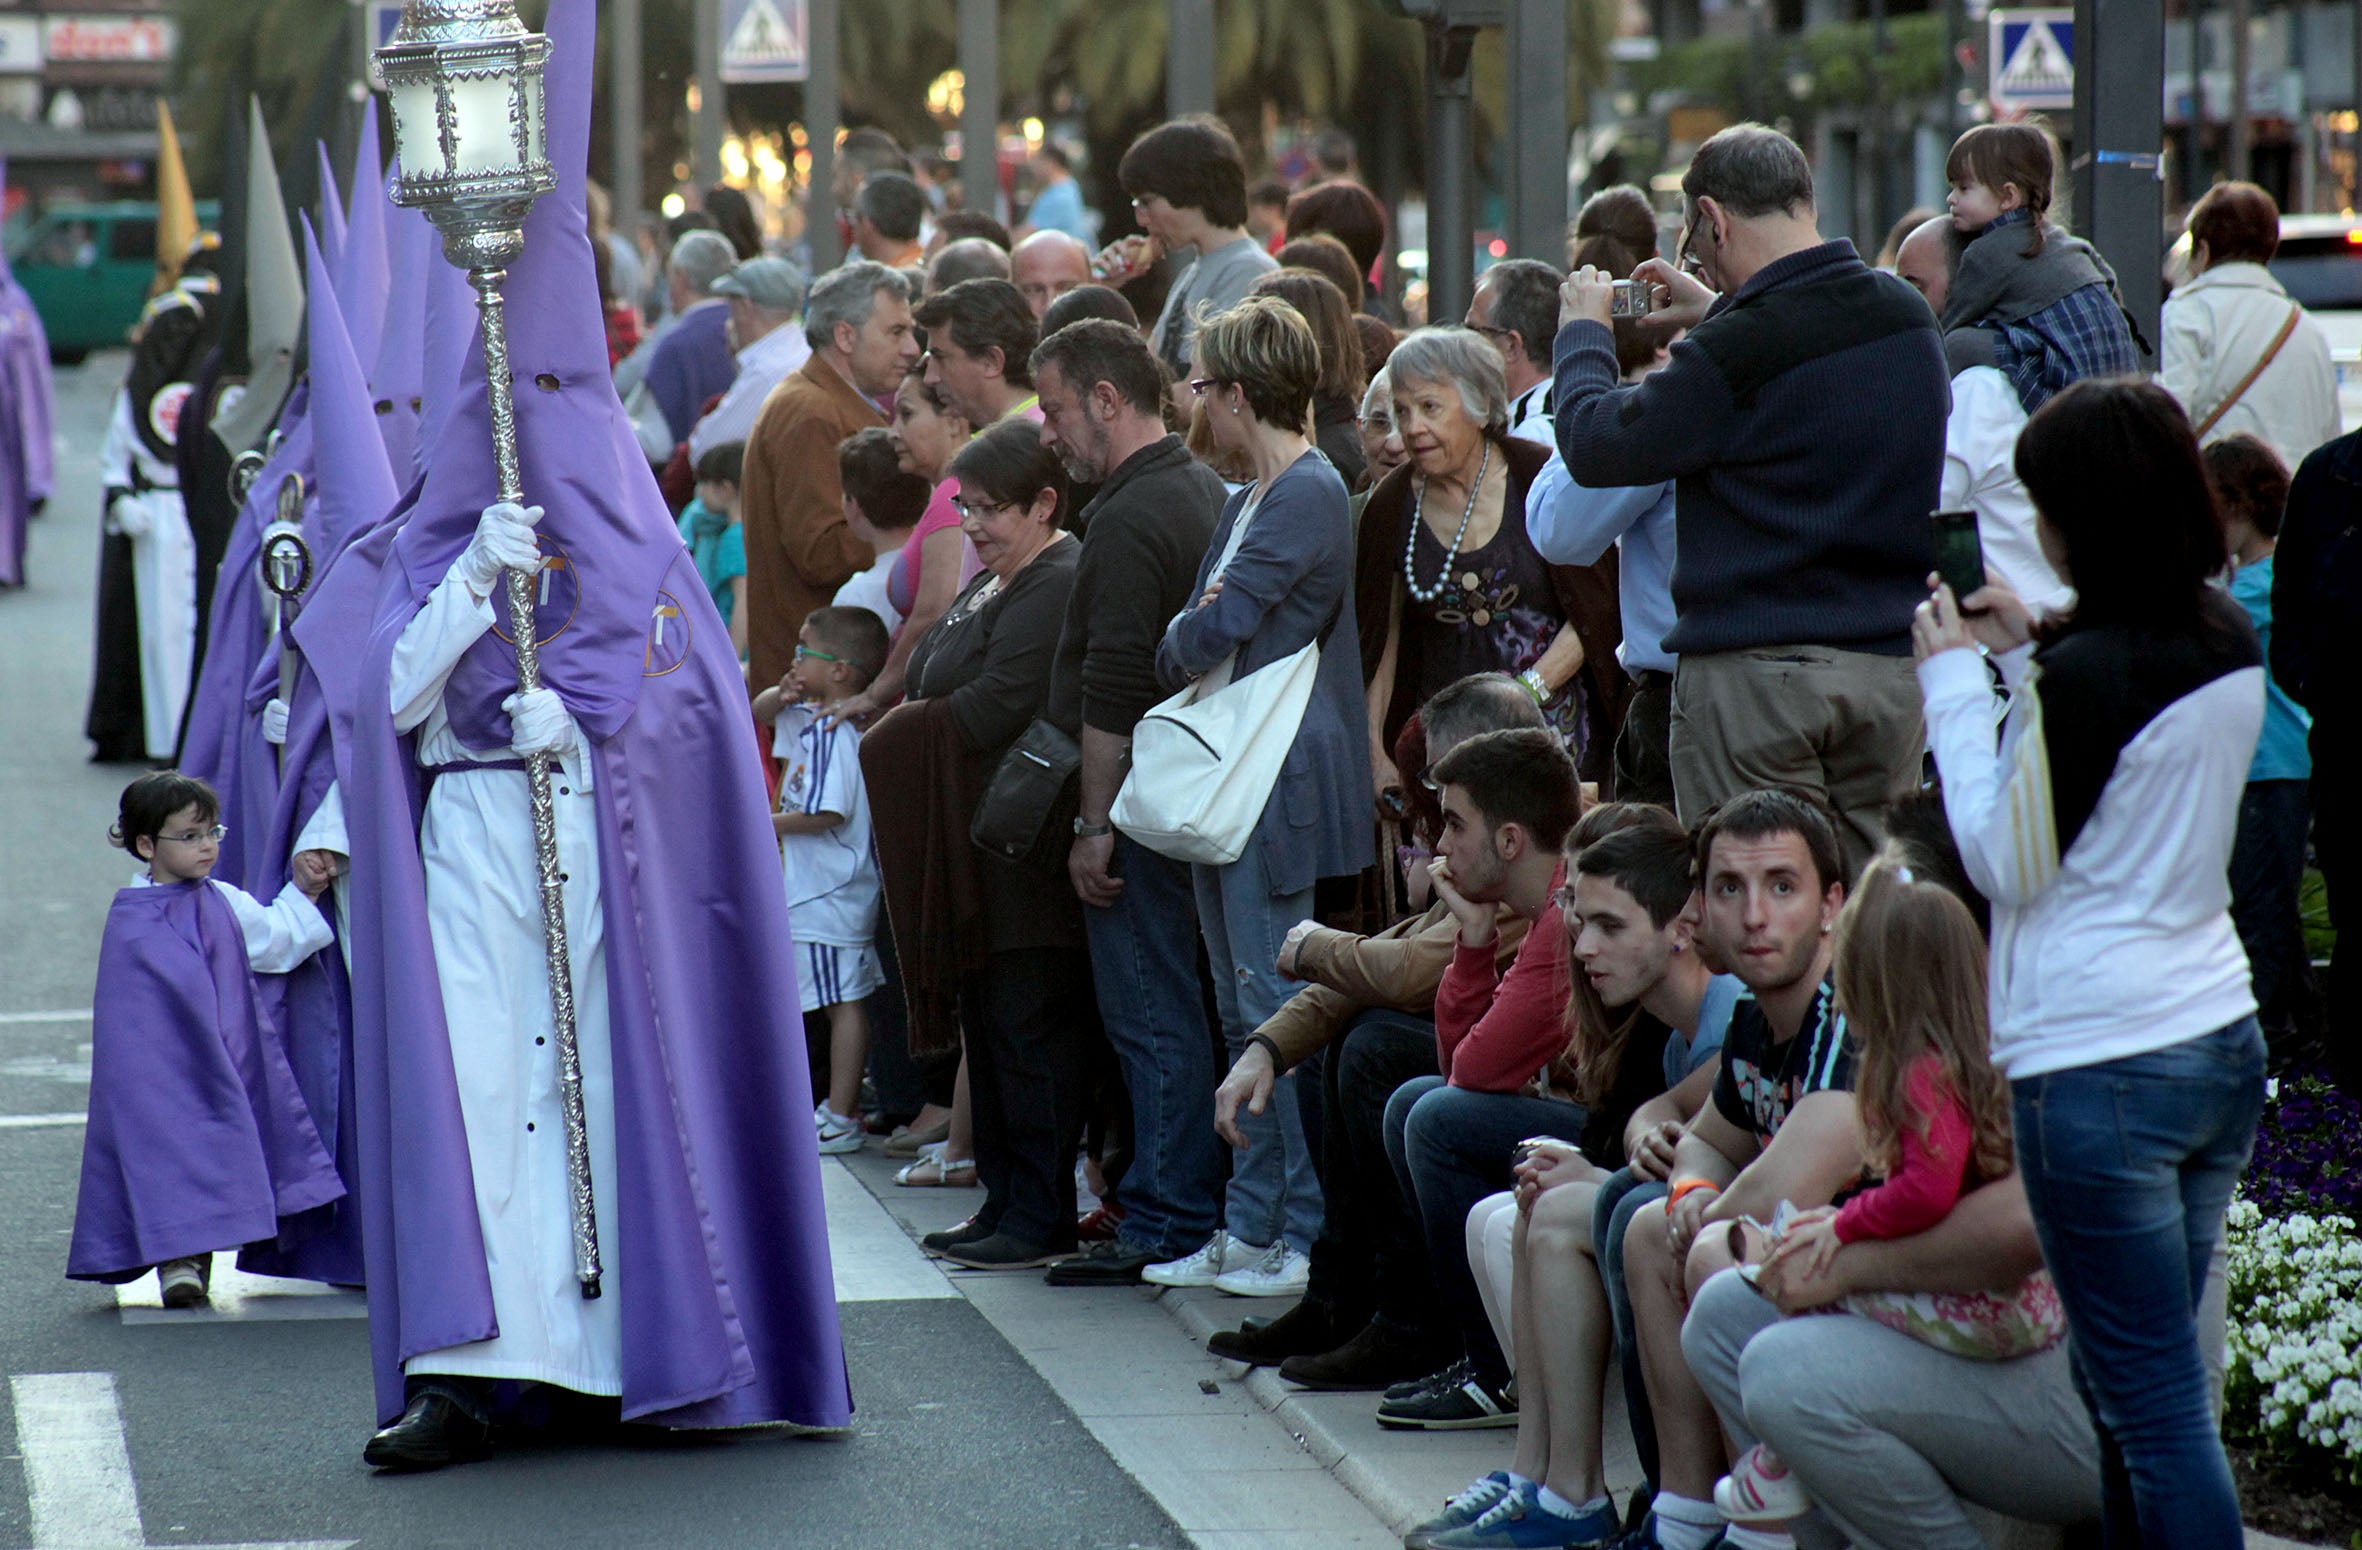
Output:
x=123 y=1427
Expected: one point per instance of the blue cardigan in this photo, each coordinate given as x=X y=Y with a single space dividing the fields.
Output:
x=1293 y=571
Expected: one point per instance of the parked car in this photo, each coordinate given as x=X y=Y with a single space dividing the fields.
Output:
x=88 y=269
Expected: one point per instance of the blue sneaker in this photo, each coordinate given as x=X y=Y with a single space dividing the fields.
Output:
x=1519 y=1521
x=1461 y=1510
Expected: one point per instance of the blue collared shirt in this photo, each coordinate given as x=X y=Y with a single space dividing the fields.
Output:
x=1570 y=525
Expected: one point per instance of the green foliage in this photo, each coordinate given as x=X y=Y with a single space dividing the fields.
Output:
x=1832 y=63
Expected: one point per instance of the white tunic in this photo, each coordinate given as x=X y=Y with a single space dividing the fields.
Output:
x=484 y=912
x=163 y=579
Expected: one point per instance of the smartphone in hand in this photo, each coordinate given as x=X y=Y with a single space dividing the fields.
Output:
x=1960 y=556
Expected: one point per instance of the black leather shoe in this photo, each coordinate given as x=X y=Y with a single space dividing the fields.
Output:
x=968 y=1231
x=1103 y=1264
x=433 y=1432
x=1372 y=1359
x=1307 y=1329
x=1002 y=1252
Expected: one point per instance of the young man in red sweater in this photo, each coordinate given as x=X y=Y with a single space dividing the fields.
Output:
x=1509 y=799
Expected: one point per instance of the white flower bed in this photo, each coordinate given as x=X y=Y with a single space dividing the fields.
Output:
x=2294 y=1385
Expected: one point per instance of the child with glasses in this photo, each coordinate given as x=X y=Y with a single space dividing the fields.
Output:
x=198 y=1139
x=824 y=850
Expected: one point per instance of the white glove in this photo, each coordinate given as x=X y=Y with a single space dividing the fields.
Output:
x=538 y=723
x=128 y=515
x=503 y=541
x=274 y=722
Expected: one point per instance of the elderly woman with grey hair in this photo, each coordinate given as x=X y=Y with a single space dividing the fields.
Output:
x=1446 y=583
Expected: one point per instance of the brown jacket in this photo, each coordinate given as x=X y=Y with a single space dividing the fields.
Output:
x=798 y=548
x=1397 y=968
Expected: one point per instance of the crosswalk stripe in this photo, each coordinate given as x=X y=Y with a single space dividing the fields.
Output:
x=81 y=1015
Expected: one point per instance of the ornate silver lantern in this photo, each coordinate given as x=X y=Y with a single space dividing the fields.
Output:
x=465 y=81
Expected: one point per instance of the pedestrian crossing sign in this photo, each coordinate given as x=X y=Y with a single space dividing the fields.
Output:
x=764 y=40
x=2031 y=54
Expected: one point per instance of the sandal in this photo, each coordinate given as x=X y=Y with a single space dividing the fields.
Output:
x=933 y=1170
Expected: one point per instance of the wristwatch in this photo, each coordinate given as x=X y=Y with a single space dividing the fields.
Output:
x=1091 y=831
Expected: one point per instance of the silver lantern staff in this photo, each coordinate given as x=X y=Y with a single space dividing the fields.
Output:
x=286 y=572
x=464 y=78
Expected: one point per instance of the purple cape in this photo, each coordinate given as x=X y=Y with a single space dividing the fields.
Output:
x=728 y=1313
x=25 y=436
x=198 y=1137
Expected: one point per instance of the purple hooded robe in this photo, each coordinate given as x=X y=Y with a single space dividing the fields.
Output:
x=25 y=435
x=198 y=1139
x=728 y=1314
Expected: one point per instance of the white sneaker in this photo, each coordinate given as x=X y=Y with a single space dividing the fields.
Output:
x=1279 y=1271
x=837 y=1133
x=1201 y=1268
x=181 y=1282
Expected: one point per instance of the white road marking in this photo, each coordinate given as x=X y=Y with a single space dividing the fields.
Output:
x=39 y=1121
x=81 y=1016
x=241 y=1298
x=69 y=1431
x=871 y=1256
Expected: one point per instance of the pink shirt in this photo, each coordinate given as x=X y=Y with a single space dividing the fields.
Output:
x=1926 y=1183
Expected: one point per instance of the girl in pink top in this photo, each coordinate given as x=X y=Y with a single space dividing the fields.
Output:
x=1935 y=1120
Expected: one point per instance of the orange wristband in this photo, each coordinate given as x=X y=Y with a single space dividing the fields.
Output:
x=1683 y=1187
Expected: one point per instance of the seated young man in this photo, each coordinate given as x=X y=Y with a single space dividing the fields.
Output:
x=1508 y=799
x=1781 y=1125
x=1652 y=1008
x=1369 y=1002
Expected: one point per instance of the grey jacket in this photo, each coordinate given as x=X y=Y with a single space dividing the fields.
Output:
x=1292 y=574
x=1997 y=283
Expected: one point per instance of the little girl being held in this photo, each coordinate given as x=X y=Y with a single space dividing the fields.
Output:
x=198 y=1138
x=1935 y=1120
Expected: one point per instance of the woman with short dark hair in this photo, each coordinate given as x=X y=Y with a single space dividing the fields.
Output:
x=1337 y=394
x=1013 y=960
x=2240 y=353
x=2101 y=829
x=1277 y=576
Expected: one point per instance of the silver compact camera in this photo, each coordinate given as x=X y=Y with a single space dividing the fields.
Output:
x=1632 y=299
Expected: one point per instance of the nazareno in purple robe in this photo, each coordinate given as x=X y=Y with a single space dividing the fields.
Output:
x=25 y=410
x=729 y=1313
x=198 y=1137
x=281 y=788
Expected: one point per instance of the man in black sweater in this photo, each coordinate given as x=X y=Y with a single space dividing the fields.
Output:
x=1801 y=419
x=1143 y=536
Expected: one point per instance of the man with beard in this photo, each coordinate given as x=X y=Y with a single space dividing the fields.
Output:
x=1143 y=536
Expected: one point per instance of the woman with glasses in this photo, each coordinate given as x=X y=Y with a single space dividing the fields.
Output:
x=1446 y=581
x=1277 y=576
x=199 y=1139
x=1000 y=941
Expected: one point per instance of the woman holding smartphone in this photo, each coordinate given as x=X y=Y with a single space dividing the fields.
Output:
x=2101 y=829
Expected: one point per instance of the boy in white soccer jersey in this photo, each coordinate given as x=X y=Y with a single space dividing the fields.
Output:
x=823 y=829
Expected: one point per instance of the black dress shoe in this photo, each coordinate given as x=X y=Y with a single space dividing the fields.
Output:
x=1307 y=1329
x=968 y=1231
x=999 y=1251
x=1372 y=1359
x=1103 y=1264
x=433 y=1432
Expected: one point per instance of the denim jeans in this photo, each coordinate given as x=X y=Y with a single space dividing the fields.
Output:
x=2129 y=1166
x=1370 y=1260
x=1451 y=1147
x=1619 y=1200
x=1144 y=960
x=1274 y=1190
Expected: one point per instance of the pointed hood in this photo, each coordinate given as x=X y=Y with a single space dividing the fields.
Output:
x=176 y=207
x=274 y=298
x=453 y=327
x=348 y=454
x=397 y=372
x=328 y=226
x=606 y=522
x=362 y=279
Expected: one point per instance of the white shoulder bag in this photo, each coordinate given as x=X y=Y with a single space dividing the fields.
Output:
x=1204 y=761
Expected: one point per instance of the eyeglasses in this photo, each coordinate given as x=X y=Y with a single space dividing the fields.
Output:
x=217 y=832
x=1491 y=332
x=979 y=509
x=803 y=651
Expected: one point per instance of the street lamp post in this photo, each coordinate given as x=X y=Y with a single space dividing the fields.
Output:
x=465 y=81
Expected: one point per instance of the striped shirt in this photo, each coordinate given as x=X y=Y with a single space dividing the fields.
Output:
x=832 y=878
x=1763 y=1079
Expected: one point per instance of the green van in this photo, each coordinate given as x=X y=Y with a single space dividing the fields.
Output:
x=88 y=269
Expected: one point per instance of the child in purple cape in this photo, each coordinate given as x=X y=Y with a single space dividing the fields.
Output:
x=198 y=1138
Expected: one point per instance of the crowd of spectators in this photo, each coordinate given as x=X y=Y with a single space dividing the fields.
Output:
x=1677 y=909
